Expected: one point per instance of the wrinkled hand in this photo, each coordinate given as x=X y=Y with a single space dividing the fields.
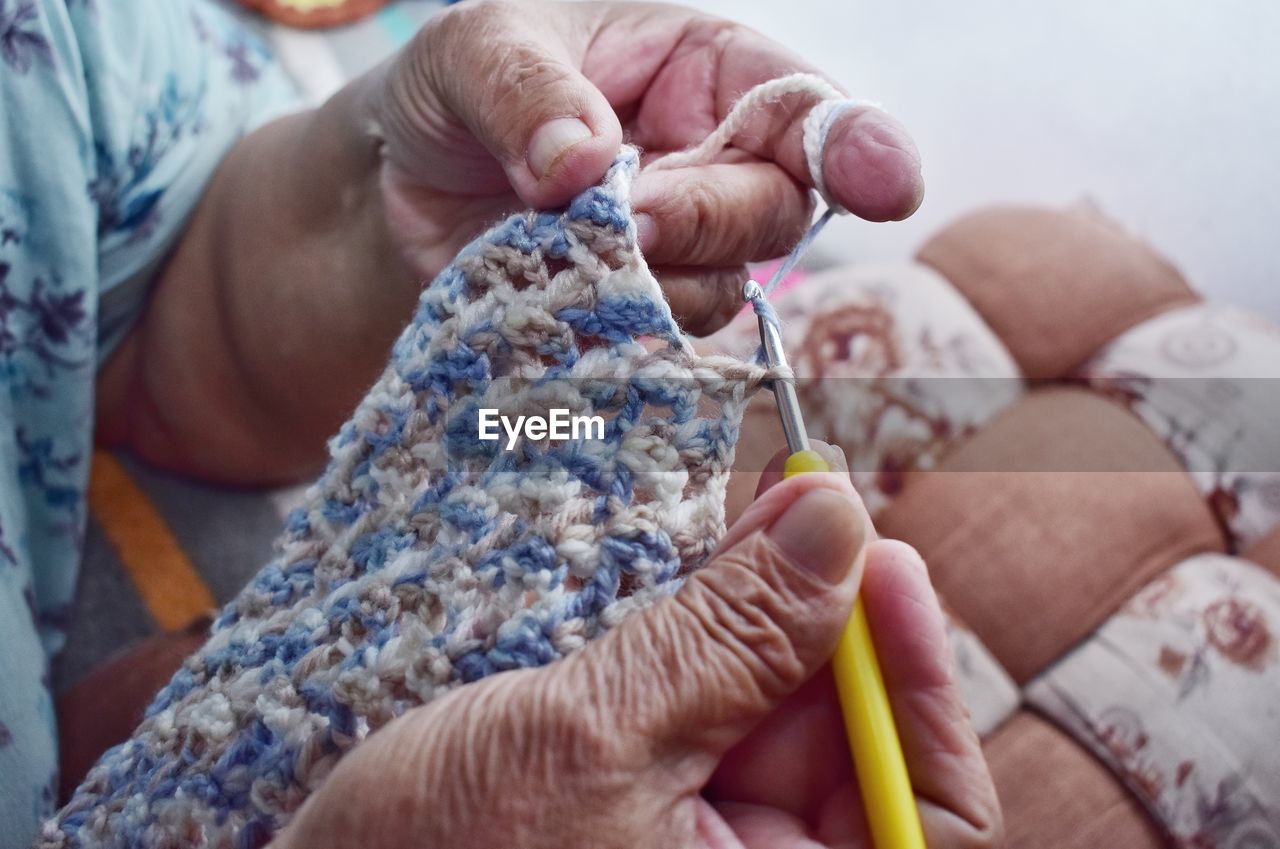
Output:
x=706 y=722
x=498 y=105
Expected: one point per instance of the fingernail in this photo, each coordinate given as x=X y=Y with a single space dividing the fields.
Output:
x=553 y=140
x=833 y=454
x=646 y=231
x=820 y=532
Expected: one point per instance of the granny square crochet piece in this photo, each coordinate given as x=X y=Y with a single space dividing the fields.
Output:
x=425 y=557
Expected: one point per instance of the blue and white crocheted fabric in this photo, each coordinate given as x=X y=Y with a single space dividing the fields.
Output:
x=426 y=557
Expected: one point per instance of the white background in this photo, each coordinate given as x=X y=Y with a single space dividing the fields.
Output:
x=1165 y=115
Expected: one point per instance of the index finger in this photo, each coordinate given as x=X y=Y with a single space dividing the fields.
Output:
x=870 y=164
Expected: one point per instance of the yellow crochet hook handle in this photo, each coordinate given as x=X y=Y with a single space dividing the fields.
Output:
x=890 y=804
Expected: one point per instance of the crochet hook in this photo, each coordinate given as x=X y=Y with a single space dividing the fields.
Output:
x=890 y=804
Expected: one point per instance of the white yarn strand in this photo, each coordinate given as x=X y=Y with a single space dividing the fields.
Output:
x=817 y=126
x=830 y=104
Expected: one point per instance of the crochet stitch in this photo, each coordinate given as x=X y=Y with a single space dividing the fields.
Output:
x=424 y=557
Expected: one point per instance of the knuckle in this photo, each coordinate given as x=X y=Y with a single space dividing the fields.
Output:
x=991 y=833
x=447 y=29
x=977 y=820
x=697 y=226
x=789 y=221
x=718 y=217
x=690 y=214
x=724 y=298
x=526 y=67
x=526 y=78
x=720 y=34
x=704 y=300
x=757 y=215
x=488 y=31
x=487 y=12
x=704 y=202
x=781 y=217
x=471 y=726
x=706 y=32
x=454 y=30
x=567 y=719
x=987 y=833
x=986 y=821
x=740 y=605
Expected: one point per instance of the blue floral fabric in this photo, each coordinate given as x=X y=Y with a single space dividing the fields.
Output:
x=113 y=116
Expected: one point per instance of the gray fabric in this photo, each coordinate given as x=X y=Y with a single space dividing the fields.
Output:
x=226 y=533
x=106 y=617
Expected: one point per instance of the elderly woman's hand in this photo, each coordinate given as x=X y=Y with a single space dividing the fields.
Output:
x=246 y=360
x=707 y=721
x=502 y=105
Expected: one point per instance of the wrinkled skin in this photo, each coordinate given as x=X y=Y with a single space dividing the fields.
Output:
x=709 y=721
x=658 y=76
x=246 y=361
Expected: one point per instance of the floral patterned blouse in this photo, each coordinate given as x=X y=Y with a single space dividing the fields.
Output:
x=113 y=115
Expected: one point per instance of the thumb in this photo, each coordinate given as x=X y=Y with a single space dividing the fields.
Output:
x=504 y=71
x=692 y=675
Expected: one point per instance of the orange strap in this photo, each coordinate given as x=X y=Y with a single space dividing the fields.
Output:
x=169 y=585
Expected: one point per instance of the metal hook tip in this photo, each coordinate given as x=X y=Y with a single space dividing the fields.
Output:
x=752 y=290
